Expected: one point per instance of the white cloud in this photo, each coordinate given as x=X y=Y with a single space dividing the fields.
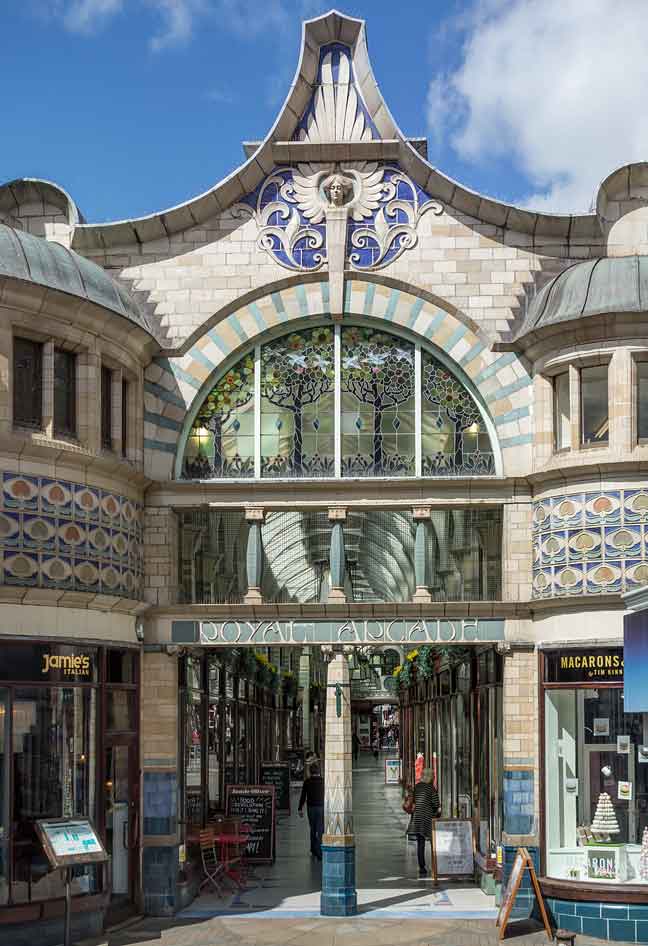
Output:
x=558 y=87
x=86 y=16
x=178 y=17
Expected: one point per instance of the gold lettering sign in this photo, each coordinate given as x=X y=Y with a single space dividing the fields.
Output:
x=78 y=665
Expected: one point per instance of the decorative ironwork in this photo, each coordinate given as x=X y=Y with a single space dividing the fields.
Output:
x=377 y=380
x=297 y=374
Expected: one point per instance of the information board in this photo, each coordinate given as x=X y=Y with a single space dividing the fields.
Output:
x=452 y=847
x=70 y=841
x=392 y=771
x=278 y=774
x=255 y=806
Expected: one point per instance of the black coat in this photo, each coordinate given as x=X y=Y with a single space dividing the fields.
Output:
x=426 y=807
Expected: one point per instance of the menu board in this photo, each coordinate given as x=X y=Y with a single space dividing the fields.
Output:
x=453 y=846
x=255 y=806
x=278 y=774
x=69 y=841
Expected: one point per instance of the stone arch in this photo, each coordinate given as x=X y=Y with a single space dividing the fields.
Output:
x=173 y=385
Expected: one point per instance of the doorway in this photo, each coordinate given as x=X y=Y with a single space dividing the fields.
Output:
x=122 y=826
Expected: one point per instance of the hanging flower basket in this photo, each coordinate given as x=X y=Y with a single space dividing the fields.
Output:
x=289 y=682
x=425 y=662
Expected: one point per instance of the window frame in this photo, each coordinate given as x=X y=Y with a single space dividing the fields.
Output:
x=39 y=345
x=558 y=448
x=421 y=348
x=61 y=430
x=106 y=425
x=589 y=444
x=638 y=361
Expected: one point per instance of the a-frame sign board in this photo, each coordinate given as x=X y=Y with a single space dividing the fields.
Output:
x=521 y=864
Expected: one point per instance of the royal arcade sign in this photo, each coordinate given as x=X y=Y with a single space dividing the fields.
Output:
x=362 y=632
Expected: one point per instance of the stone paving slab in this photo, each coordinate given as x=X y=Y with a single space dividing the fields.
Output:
x=355 y=931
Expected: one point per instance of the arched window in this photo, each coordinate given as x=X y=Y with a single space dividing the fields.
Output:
x=349 y=401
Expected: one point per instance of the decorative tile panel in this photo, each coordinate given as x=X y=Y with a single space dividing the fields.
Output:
x=590 y=543
x=55 y=534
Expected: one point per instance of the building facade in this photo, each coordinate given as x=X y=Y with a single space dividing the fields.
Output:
x=335 y=406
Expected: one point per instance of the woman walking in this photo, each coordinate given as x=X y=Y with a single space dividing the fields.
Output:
x=426 y=807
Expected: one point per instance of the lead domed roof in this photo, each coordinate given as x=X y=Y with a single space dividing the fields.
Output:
x=594 y=287
x=34 y=259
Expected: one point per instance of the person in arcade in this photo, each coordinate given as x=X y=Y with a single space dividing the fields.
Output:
x=312 y=794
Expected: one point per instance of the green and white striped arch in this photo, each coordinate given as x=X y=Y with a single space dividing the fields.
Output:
x=174 y=387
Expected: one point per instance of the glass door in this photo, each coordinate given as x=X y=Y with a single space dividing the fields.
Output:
x=122 y=822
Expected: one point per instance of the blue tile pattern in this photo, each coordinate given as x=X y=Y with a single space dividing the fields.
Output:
x=159 y=879
x=339 y=897
x=518 y=801
x=69 y=536
x=590 y=543
x=623 y=922
x=160 y=802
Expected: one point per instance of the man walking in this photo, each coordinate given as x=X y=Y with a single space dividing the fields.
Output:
x=313 y=795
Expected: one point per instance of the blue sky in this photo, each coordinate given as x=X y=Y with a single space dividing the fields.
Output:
x=135 y=105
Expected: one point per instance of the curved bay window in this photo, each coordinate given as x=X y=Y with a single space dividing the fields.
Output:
x=338 y=401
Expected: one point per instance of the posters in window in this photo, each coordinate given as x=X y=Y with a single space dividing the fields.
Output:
x=623 y=745
x=601 y=726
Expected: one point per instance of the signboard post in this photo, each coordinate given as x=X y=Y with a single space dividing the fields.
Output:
x=521 y=863
x=67 y=842
x=392 y=771
x=278 y=774
x=452 y=848
x=255 y=806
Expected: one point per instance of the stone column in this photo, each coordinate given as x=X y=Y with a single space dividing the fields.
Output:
x=337 y=560
x=521 y=788
x=339 y=897
x=254 y=556
x=304 y=689
x=48 y=388
x=160 y=765
x=422 y=594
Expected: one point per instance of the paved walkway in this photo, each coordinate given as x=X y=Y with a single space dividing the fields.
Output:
x=395 y=907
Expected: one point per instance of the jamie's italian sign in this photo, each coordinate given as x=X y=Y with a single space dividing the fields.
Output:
x=268 y=633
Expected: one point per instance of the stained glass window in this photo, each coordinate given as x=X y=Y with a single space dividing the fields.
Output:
x=378 y=427
x=297 y=414
x=221 y=442
x=292 y=429
x=454 y=438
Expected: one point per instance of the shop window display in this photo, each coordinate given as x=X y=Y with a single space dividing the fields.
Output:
x=596 y=785
x=53 y=777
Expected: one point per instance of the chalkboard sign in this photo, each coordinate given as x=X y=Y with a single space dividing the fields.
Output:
x=278 y=774
x=452 y=847
x=255 y=806
x=521 y=863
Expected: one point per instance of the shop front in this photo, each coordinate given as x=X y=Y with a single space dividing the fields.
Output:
x=237 y=710
x=69 y=746
x=595 y=805
x=451 y=710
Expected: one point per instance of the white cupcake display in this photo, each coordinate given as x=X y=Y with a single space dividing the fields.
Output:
x=605 y=824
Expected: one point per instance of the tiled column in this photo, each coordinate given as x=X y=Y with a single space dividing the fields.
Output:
x=254 y=556
x=339 y=897
x=520 y=751
x=159 y=709
x=304 y=689
x=421 y=564
x=337 y=557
